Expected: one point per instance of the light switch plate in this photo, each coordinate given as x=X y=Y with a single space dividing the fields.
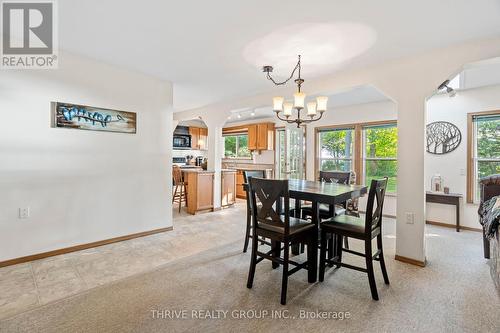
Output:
x=410 y=218
x=24 y=213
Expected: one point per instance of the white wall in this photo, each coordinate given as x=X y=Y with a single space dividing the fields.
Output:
x=453 y=166
x=81 y=186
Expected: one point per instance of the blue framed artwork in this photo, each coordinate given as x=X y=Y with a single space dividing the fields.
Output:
x=92 y=118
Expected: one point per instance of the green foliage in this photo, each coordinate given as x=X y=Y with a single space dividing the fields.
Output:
x=236 y=146
x=488 y=146
x=381 y=142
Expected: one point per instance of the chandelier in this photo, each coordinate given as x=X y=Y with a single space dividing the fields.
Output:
x=279 y=104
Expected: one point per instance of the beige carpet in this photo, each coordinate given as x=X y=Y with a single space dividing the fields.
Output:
x=453 y=294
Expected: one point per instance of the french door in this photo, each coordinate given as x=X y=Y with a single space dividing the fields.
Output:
x=290 y=152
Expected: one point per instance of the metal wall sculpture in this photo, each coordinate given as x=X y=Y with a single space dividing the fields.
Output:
x=442 y=137
x=92 y=118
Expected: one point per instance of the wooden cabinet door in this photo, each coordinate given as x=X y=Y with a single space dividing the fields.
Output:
x=240 y=192
x=195 y=137
x=228 y=188
x=205 y=195
x=203 y=139
x=262 y=136
x=252 y=137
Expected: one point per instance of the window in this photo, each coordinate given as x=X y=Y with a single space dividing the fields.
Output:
x=483 y=150
x=380 y=147
x=368 y=149
x=336 y=148
x=236 y=146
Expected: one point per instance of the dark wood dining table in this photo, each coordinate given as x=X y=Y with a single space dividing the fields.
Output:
x=318 y=193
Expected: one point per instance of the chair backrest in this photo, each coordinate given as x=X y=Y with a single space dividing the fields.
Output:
x=253 y=173
x=376 y=197
x=339 y=177
x=269 y=192
x=177 y=175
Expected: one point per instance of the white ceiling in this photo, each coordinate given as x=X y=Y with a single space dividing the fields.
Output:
x=201 y=45
x=358 y=95
x=480 y=74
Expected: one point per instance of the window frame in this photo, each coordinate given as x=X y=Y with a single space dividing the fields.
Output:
x=358 y=149
x=237 y=135
x=472 y=179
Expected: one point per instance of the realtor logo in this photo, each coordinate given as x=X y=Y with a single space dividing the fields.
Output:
x=28 y=35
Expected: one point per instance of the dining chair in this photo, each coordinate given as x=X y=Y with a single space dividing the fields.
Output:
x=338 y=177
x=180 y=194
x=246 y=175
x=279 y=228
x=355 y=227
x=326 y=211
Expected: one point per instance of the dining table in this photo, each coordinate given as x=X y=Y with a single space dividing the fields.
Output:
x=317 y=192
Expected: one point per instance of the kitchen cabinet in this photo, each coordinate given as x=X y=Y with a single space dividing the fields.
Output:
x=240 y=192
x=228 y=183
x=200 y=190
x=199 y=138
x=261 y=136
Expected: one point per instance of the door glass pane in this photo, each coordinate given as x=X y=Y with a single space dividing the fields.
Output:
x=295 y=152
x=377 y=169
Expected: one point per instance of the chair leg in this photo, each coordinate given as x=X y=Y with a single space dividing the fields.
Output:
x=369 y=268
x=331 y=250
x=381 y=259
x=276 y=247
x=284 y=283
x=322 y=256
x=180 y=199
x=253 y=264
x=338 y=242
x=302 y=247
x=247 y=233
x=346 y=242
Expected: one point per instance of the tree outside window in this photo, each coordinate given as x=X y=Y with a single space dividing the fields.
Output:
x=336 y=149
x=380 y=154
x=487 y=148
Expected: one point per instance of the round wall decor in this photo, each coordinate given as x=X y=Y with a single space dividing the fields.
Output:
x=442 y=137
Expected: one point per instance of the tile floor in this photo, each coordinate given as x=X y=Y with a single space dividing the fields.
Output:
x=28 y=285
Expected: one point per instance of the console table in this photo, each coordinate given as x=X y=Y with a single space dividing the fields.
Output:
x=446 y=199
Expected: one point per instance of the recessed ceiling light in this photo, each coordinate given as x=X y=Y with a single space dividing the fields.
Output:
x=253 y=113
x=239 y=116
x=323 y=46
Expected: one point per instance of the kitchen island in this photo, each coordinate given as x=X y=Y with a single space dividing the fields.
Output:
x=200 y=189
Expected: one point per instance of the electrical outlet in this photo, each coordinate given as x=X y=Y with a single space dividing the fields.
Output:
x=24 y=213
x=410 y=218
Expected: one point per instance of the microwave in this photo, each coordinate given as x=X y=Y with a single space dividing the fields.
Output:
x=182 y=141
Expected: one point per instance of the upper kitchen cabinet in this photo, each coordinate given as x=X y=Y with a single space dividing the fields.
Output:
x=261 y=136
x=199 y=138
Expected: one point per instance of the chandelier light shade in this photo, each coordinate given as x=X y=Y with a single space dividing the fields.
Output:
x=299 y=100
x=321 y=101
x=278 y=103
x=287 y=109
x=311 y=108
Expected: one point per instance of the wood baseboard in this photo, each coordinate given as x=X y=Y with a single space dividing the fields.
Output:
x=411 y=261
x=80 y=247
x=453 y=226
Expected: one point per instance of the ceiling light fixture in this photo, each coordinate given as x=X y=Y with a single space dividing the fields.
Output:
x=252 y=113
x=449 y=90
x=239 y=116
x=279 y=104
